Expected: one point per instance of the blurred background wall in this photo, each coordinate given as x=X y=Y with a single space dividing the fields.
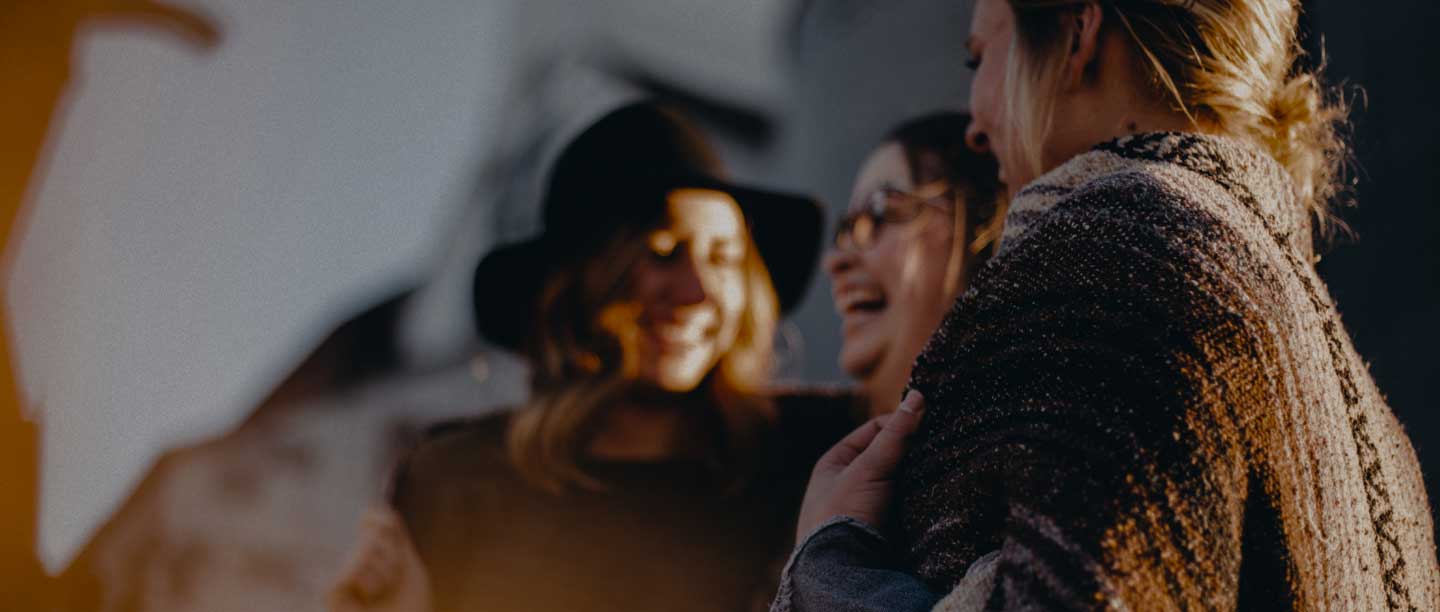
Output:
x=204 y=226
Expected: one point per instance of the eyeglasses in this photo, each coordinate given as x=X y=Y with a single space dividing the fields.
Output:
x=888 y=206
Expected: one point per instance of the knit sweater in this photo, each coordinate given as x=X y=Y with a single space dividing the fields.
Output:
x=1147 y=400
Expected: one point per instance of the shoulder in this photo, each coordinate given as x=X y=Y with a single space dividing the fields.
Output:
x=1162 y=195
x=1138 y=233
x=461 y=448
x=1139 y=258
x=1124 y=208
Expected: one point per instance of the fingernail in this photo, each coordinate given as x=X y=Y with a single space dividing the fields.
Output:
x=911 y=403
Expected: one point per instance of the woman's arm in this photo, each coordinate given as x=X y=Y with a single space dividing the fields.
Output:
x=846 y=565
x=1086 y=411
x=843 y=564
x=1084 y=441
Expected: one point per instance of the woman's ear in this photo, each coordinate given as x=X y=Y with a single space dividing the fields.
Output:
x=1084 y=43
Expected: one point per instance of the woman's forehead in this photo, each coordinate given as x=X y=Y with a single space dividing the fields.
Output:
x=885 y=167
x=704 y=212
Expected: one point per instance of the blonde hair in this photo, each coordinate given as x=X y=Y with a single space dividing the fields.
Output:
x=583 y=358
x=1234 y=65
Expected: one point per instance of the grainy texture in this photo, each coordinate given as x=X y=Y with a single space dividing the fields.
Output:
x=1147 y=400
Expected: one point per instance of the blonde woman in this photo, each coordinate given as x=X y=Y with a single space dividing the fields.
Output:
x=650 y=471
x=1147 y=400
x=924 y=215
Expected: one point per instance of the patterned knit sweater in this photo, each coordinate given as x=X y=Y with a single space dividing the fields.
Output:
x=1147 y=400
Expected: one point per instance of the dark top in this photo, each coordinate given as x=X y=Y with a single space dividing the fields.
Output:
x=664 y=536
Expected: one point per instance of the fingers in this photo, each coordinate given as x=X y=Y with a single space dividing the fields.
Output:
x=848 y=448
x=888 y=446
x=375 y=566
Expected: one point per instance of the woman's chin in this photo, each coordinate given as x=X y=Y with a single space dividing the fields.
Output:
x=859 y=358
x=680 y=371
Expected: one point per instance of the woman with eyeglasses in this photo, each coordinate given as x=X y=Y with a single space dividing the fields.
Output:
x=1147 y=400
x=926 y=212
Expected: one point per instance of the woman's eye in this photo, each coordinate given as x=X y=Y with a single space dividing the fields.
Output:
x=727 y=256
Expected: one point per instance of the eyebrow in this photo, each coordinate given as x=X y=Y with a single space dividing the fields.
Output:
x=728 y=242
x=865 y=199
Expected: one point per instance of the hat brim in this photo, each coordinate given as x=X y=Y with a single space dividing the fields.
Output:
x=786 y=230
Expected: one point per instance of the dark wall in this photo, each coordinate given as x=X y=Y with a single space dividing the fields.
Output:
x=1387 y=278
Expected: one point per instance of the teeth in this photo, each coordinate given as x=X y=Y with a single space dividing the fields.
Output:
x=850 y=300
x=679 y=337
x=681 y=334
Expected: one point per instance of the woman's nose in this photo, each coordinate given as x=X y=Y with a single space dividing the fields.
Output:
x=686 y=286
x=976 y=139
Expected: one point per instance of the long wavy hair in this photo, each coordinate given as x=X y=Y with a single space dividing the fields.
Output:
x=584 y=358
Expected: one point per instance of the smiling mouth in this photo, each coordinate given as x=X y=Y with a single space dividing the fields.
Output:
x=679 y=337
x=860 y=303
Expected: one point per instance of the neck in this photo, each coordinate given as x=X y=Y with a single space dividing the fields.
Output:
x=1141 y=120
x=1114 y=101
x=1113 y=116
x=642 y=429
x=883 y=387
x=882 y=399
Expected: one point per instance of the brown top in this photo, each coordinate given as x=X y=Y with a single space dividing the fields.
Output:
x=1148 y=401
x=665 y=536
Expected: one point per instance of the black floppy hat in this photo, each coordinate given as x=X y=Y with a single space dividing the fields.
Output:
x=618 y=173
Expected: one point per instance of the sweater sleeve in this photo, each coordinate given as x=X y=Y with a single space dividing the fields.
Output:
x=1080 y=420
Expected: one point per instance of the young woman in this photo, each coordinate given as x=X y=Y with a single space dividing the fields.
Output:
x=925 y=213
x=1147 y=399
x=648 y=471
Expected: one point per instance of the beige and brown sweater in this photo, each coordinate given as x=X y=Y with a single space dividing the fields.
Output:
x=1147 y=401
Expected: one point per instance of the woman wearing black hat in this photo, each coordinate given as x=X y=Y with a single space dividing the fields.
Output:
x=647 y=472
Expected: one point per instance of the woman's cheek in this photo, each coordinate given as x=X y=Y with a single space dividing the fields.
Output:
x=732 y=301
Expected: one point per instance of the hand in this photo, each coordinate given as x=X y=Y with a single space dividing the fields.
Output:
x=854 y=478
x=384 y=573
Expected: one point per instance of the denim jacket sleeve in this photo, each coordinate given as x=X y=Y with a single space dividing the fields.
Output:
x=847 y=566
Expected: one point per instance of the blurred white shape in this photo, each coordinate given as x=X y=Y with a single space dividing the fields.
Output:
x=204 y=219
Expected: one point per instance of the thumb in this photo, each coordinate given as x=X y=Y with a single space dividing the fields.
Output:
x=884 y=453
